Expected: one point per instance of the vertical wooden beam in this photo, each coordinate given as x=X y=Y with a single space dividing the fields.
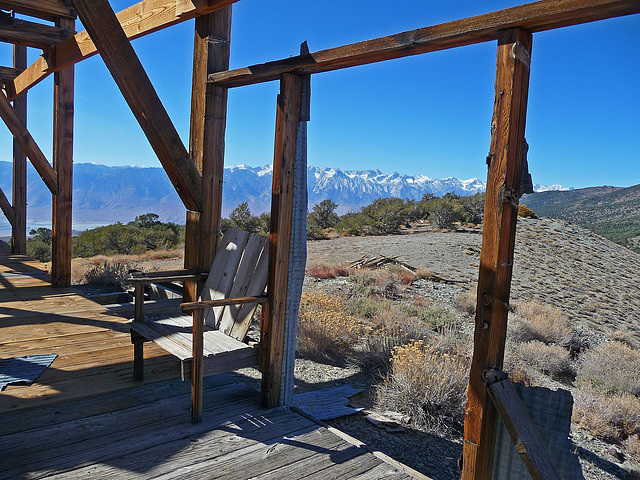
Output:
x=287 y=119
x=206 y=139
x=498 y=239
x=19 y=230
x=197 y=365
x=63 y=93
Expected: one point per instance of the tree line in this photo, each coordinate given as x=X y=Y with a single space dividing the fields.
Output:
x=382 y=217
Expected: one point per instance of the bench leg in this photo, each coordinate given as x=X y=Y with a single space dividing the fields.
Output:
x=197 y=366
x=138 y=360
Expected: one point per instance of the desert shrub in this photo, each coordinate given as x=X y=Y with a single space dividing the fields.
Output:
x=108 y=276
x=438 y=318
x=323 y=214
x=610 y=417
x=426 y=384
x=363 y=306
x=466 y=301
x=39 y=250
x=326 y=330
x=535 y=321
x=551 y=360
x=612 y=367
x=526 y=212
x=632 y=445
x=622 y=336
x=327 y=271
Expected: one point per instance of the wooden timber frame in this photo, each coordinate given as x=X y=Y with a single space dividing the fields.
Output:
x=197 y=171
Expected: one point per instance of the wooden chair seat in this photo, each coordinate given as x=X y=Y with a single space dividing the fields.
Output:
x=221 y=352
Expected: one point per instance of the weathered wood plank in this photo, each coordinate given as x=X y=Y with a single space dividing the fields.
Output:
x=498 y=240
x=534 y=17
x=272 y=331
x=197 y=364
x=19 y=230
x=28 y=144
x=31 y=34
x=63 y=105
x=141 y=19
x=137 y=90
x=47 y=9
x=524 y=434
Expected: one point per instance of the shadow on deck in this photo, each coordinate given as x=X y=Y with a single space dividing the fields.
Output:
x=85 y=417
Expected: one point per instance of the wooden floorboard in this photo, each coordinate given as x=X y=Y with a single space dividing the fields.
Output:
x=85 y=417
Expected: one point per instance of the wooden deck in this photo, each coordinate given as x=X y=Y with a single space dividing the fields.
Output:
x=85 y=417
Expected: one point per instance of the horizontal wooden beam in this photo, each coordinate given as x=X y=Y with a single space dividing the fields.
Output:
x=47 y=9
x=534 y=17
x=31 y=34
x=7 y=209
x=138 y=20
x=9 y=73
x=136 y=88
x=28 y=145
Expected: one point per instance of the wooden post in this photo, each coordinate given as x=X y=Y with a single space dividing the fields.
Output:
x=498 y=239
x=19 y=228
x=272 y=334
x=206 y=140
x=63 y=87
x=197 y=365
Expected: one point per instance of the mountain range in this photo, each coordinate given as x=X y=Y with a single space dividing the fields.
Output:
x=105 y=194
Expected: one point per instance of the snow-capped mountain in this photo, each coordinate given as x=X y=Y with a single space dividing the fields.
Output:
x=109 y=194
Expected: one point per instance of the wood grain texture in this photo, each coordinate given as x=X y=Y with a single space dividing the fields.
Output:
x=28 y=144
x=137 y=90
x=19 y=191
x=534 y=17
x=524 y=434
x=211 y=50
x=31 y=34
x=498 y=239
x=61 y=220
x=47 y=9
x=197 y=365
x=141 y=19
x=272 y=332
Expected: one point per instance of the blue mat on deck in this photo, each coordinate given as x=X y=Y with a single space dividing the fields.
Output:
x=23 y=369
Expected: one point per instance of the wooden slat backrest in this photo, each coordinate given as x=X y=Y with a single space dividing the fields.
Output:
x=251 y=280
x=223 y=271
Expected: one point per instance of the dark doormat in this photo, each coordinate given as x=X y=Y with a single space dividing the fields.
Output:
x=23 y=369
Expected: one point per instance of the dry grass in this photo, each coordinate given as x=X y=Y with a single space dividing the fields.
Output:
x=612 y=367
x=327 y=271
x=427 y=384
x=525 y=360
x=534 y=321
x=326 y=330
x=610 y=417
x=108 y=276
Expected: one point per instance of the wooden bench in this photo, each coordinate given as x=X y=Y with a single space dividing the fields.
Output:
x=211 y=337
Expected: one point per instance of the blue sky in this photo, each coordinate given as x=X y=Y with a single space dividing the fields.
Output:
x=427 y=114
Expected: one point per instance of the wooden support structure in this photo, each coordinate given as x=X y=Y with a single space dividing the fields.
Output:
x=498 y=240
x=7 y=209
x=31 y=34
x=47 y=9
x=136 y=88
x=63 y=100
x=206 y=139
x=141 y=19
x=19 y=193
x=28 y=144
x=272 y=332
x=534 y=17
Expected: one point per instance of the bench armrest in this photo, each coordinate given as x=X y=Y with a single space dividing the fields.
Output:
x=191 y=306
x=167 y=276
